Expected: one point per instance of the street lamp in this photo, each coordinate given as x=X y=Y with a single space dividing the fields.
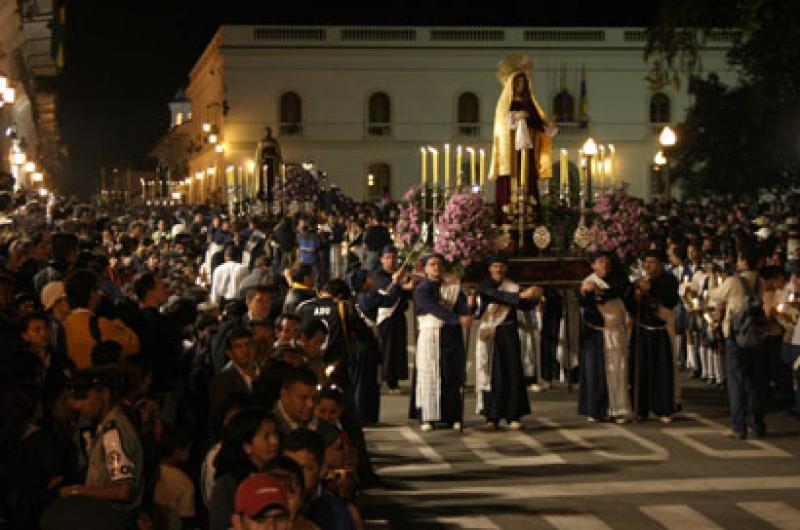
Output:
x=18 y=158
x=667 y=138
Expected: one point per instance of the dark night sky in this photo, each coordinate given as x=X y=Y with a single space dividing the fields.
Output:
x=125 y=59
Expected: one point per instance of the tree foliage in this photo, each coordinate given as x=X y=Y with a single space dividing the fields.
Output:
x=735 y=138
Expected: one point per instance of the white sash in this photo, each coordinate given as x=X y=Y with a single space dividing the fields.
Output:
x=428 y=384
x=386 y=312
x=494 y=315
x=429 y=379
x=615 y=348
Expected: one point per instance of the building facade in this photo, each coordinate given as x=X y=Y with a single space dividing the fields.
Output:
x=29 y=123
x=360 y=101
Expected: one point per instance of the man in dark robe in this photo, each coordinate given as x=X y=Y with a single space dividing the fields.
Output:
x=651 y=301
x=603 y=318
x=391 y=319
x=365 y=363
x=442 y=309
x=500 y=376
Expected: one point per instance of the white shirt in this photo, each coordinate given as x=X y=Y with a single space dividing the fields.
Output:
x=227 y=280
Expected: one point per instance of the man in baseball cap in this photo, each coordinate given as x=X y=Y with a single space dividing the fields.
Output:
x=261 y=504
x=52 y=294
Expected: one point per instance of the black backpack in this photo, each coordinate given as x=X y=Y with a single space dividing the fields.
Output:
x=748 y=325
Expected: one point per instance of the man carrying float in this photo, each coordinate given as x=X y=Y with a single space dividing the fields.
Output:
x=439 y=371
x=504 y=352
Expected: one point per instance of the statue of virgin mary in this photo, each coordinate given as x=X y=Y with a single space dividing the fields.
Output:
x=519 y=123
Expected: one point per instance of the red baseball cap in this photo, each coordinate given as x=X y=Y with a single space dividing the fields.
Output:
x=258 y=492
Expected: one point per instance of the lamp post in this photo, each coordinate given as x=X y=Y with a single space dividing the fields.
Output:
x=666 y=138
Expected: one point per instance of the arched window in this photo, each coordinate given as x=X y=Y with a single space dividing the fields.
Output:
x=660 y=109
x=468 y=115
x=291 y=114
x=379 y=179
x=379 y=115
x=564 y=107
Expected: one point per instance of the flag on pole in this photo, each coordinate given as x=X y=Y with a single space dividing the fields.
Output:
x=583 y=113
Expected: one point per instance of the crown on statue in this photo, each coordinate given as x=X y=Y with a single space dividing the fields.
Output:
x=513 y=63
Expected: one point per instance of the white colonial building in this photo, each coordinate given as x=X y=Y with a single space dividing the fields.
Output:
x=360 y=101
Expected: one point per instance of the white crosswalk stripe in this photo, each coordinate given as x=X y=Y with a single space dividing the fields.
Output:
x=477 y=522
x=778 y=514
x=578 y=521
x=679 y=517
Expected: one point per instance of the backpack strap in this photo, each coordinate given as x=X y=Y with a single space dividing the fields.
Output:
x=94 y=328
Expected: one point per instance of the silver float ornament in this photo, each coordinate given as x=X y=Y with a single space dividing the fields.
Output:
x=541 y=237
x=582 y=236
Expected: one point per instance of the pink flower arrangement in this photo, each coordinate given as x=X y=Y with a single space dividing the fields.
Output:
x=618 y=226
x=408 y=236
x=300 y=186
x=464 y=230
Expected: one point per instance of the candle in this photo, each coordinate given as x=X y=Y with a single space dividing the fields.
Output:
x=471 y=151
x=459 y=167
x=601 y=167
x=563 y=170
x=582 y=178
x=446 y=166
x=613 y=164
x=523 y=174
x=435 y=161
x=483 y=168
x=424 y=164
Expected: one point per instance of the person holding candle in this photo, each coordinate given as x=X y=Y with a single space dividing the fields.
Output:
x=520 y=124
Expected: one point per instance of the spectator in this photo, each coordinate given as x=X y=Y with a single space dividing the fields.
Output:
x=286 y=326
x=228 y=277
x=174 y=491
x=116 y=459
x=302 y=287
x=295 y=407
x=307 y=448
x=261 y=504
x=83 y=328
x=291 y=474
x=55 y=303
x=233 y=405
x=238 y=375
x=160 y=339
x=258 y=301
x=65 y=254
x=249 y=442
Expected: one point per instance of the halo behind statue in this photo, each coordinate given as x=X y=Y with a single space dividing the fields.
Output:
x=513 y=63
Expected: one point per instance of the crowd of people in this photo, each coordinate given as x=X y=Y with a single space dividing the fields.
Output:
x=176 y=368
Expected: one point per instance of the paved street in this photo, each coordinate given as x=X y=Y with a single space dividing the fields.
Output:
x=565 y=473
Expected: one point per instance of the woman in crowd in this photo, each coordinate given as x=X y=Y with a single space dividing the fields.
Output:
x=248 y=443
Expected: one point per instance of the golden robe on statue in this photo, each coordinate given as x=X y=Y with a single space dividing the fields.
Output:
x=519 y=122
